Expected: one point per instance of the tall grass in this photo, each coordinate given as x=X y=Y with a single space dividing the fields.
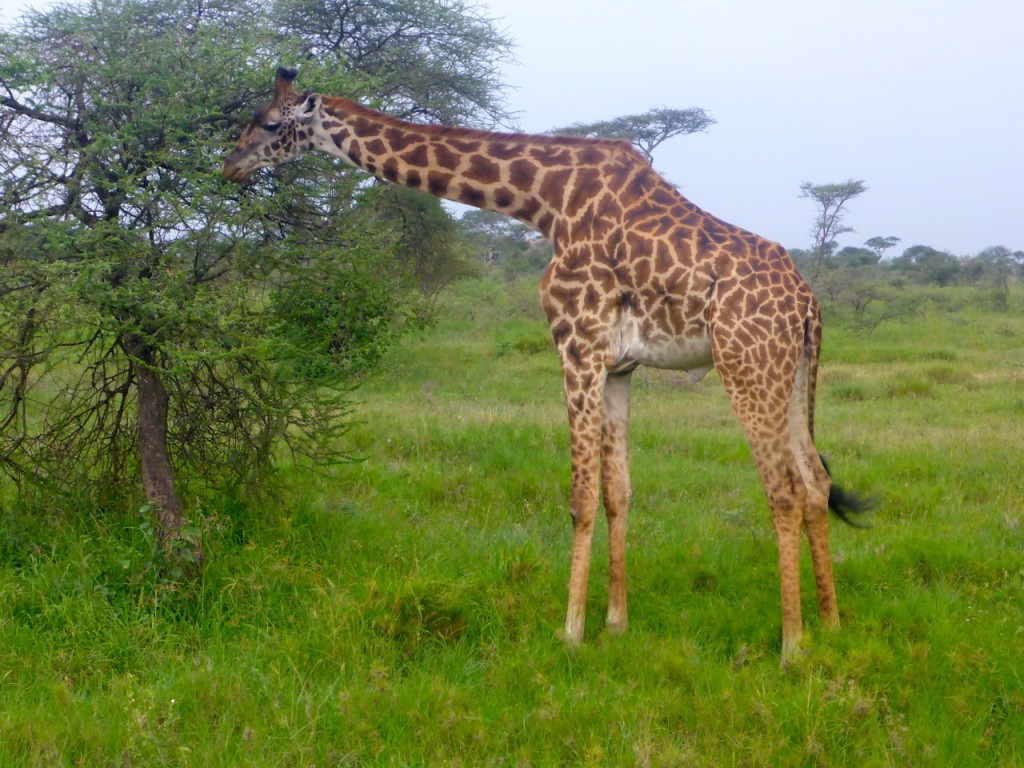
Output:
x=404 y=609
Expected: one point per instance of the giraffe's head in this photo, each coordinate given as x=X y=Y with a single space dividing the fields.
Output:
x=279 y=130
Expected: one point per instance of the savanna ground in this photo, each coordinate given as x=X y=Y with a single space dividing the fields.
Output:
x=403 y=610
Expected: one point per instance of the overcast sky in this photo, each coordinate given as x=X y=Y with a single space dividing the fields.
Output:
x=922 y=99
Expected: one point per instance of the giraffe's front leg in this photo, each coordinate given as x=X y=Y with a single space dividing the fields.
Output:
x=583 y=397
x=616 y=491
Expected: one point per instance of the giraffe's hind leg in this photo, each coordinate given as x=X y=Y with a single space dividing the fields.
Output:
x=765 y=414
x=815 y=512
x=616 y=491
x=767 y=433
x=816 y=520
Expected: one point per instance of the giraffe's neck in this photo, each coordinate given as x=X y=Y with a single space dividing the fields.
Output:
x=536 y=179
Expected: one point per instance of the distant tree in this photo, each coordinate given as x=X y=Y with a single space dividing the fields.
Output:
x=427 y=242
x=853 y=287
x=803 y=258
x=830 y=200
x=928 y=265
x=881 y=244
x=646 y=130
x=498 y=239
x=493 y=226
x=997 y=263
x=994 y=267
x=852 y=256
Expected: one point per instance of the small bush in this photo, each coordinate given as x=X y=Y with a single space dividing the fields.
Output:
x=950 y=375
x=852 y=391
x=910 y=385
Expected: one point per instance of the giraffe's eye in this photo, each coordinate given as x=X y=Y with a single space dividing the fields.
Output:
x=272 y=127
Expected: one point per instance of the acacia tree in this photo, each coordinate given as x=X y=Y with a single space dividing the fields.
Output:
x=830 y=200
x=646 y=130
x=127 y=306
x=882 y=244
x=157 y=324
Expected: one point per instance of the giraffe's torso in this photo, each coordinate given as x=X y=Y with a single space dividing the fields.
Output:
x=647 y=277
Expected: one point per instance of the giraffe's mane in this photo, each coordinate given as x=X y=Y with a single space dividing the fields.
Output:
x=351 y=107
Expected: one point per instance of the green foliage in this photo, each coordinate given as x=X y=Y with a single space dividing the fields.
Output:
x=130 y=263
x=177 y=567
x=404 y=610
x=524 y=338
x=340 y=326
x=433 y=59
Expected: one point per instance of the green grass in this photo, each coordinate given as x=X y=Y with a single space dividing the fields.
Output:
x=403 y=610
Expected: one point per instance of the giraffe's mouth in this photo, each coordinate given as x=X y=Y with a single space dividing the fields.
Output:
x=234 y=172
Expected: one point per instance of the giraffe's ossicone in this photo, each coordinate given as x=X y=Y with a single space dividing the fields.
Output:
x=639 y=276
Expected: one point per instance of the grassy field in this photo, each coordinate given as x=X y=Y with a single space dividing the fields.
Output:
x=403 y=610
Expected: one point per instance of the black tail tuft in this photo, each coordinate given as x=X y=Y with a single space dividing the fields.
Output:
x=846 y=505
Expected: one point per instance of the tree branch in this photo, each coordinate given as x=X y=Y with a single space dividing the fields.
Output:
x=35 y=114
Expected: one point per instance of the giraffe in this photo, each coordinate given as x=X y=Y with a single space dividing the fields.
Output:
x=639 y=276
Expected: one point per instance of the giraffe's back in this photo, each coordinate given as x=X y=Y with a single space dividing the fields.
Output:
x=657 y=275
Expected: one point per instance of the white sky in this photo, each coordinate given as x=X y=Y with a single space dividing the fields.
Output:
x=922 y=99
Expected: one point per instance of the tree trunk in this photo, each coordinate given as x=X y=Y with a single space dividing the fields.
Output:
x=157 y=471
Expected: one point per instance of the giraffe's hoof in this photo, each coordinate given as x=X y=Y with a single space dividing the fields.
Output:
x=792 y=650
x=792 y=658
x=796 y=650
x=571 y=636
x=617 y=627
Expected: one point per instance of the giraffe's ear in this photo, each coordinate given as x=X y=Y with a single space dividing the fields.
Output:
x=310 y=104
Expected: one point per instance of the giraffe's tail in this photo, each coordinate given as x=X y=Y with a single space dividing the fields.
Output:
x=812 y=351
x=847 y=505
x=844 y=504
